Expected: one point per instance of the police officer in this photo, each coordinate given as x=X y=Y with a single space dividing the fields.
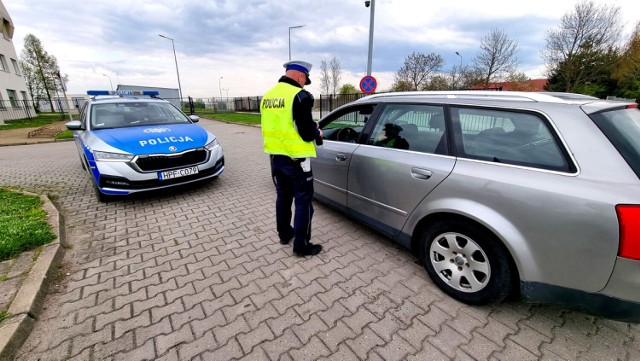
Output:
x=289 y=132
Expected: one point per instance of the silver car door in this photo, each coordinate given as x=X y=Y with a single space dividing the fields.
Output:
x=330 y=170
x=342 y=130
x=386 y=183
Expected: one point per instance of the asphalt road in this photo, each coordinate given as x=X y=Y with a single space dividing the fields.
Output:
x=198 y=273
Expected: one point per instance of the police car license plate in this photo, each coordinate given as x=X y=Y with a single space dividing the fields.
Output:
x=177 y=173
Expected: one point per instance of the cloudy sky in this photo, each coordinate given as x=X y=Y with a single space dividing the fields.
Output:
x=237 y=47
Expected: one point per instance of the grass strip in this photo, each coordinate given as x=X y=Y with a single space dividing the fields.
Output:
x=40 y=120
x=23 y=224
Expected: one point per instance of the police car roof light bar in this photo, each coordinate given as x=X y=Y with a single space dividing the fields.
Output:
x=98 y=92
x=121 y=93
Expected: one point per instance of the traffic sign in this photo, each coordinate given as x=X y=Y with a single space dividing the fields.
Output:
x=368 y=84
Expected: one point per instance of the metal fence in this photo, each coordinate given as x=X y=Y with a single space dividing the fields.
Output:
x=323 y=105
x=220 y=105
x=326 y=103
x=25 y=109
x=16 y=109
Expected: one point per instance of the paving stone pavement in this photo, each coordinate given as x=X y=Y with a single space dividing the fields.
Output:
x=198 y=274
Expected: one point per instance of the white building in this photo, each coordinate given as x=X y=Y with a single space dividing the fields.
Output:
x=14 y=97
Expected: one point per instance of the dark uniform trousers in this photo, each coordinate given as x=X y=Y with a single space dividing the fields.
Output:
x=292 y=183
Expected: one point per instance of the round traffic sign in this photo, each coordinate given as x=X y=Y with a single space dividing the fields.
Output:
x=368 y=84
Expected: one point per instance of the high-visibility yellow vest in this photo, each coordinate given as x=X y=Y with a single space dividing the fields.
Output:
x=278 y=128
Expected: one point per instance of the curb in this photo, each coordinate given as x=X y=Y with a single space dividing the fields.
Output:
x=38 y=142
x=26 y=306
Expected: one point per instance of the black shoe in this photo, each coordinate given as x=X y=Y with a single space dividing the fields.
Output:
x=286 y=241
x=310 y=250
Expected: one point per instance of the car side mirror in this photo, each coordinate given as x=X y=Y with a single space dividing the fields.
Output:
x=74 y=125
x=194 y=118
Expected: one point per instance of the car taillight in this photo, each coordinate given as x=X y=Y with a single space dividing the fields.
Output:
x=629 y=220
x=632 y=106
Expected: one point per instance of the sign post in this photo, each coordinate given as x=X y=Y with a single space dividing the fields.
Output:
x=368 y=84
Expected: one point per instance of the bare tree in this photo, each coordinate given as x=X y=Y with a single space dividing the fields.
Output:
x=330 y=74
x=336 y=74
x=463 y=77
x=39 y=67
x=497 y=56
x=401 y=86
x=519 y=81
x=587 y=35
x=417 y=71
x=439 y=82
x=325 y=78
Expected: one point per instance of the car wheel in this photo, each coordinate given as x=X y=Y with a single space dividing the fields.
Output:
x=467 y=262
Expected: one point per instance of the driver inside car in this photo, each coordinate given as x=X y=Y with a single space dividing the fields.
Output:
x=392 y=138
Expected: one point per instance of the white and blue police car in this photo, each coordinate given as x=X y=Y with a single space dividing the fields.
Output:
x=131 y=141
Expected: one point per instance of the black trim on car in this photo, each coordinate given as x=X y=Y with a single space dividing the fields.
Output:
x=113 y=182
x=595 y=304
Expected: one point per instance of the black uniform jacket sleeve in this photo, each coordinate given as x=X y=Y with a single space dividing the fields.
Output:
x=302 y=105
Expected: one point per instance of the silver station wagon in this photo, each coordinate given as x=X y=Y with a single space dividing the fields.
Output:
x=498 y=193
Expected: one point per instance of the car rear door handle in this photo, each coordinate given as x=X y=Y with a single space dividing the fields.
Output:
x=420 y=173
x=341 y=157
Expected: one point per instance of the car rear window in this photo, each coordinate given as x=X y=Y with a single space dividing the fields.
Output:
x=622 y=127
x=509 y=137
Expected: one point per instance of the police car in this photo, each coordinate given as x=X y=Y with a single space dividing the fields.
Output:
x=132 y=141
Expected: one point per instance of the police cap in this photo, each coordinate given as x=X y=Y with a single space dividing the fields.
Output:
x=301 y=66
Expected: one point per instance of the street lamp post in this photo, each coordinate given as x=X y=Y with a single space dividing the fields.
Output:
x=220 y=86
x=109 y=81
x=292 y=27
x=371 y=4
x=458 y=54
x=176 y=60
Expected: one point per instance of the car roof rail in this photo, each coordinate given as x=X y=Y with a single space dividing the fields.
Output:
x=548 y=97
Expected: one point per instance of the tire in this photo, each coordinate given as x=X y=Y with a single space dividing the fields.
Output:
x=102 y=198
x=467 y=262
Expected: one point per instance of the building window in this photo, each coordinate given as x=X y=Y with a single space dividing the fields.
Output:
x=5 y=29
x=2 y=105
x=24 y=95
x=13 y=99
x=16 y=67
x=3 y=63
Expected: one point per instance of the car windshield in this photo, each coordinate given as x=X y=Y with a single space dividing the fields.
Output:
x=132 y=114
x=622 y=127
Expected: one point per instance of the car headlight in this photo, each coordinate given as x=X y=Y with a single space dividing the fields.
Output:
x=112 y=157
x=214 y=143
